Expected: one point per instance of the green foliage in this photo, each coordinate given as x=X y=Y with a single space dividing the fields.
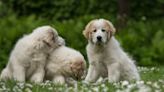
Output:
x=67 y=9
x=58 y=9
x=150 y=9
x=143 y=40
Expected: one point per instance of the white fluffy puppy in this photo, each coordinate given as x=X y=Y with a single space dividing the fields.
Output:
x=28 y=58
x=106 y=58
x=65 y=63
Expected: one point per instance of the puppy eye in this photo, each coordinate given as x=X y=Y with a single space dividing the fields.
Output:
x=94 y=30
x=103 y=30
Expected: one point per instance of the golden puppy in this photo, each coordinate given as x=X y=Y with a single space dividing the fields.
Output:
x=28 y=58
x=64 y=63
x=105 y=55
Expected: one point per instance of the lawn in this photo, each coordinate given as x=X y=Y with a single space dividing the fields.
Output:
x=152 y=80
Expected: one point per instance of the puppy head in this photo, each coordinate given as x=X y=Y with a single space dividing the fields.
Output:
x=99 y=31
x=47 y=36
x=77 y=66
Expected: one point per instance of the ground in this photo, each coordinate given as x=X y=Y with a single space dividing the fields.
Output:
x=152 y=81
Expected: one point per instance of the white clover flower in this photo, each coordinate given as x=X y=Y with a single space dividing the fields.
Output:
x=161 y=81
x=29 y=85
x=96 y=89
x=140 y=82
x=152 y=69
x=105 y=89
x=17 y=89
x=21 y=85
x=103 y=85
x=156 y=85
x=118 y=90
x=149 y=82
x=157 y=91
x=131 y=86
x=125 y=83
x=28 y=90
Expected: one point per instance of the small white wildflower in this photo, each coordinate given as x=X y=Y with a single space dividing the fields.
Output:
x=140 y=82
x=117 y=85
x=50 y=88
x=152 y=69
x=162 y=81
x=118 y=90
x=96 y=89
x=105 y=89
x=103 y=85
x=130 y=86
x=17 y=89
x=28 y=90
x=156 y=85
x=89 y=91
x=149 y=82
x=21 y=85
x=125 y=83
x=157 y=91
x=29 y=85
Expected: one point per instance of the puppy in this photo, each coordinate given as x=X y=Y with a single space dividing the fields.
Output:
x=106 y=57
x=65 y=63
x=28 y=58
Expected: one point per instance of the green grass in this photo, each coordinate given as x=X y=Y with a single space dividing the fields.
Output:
x=152 y=80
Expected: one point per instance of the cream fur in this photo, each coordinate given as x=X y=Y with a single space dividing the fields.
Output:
x=28 y=58
x=107 y=59
x=65 y=63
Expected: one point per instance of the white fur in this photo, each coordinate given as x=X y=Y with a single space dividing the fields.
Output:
x=28 y=58
x=60 y=63
x=107 y=59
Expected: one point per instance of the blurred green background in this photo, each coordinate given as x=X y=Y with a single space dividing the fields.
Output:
x=139 y=24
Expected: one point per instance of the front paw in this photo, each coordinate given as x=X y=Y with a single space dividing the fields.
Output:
x=36 y=79
x=59 y=79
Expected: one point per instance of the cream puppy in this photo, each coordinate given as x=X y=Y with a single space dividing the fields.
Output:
x=28 y=58
x=65 y=63
x=106 y=57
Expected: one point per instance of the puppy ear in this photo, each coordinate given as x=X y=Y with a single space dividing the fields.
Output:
x=111 y=28
x=87 y=29
x=61 y=41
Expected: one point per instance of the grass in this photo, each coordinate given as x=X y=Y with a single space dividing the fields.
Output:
x=152 y=81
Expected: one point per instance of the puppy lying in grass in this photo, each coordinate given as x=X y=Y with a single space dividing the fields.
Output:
x=28 y=58
x=65 y=63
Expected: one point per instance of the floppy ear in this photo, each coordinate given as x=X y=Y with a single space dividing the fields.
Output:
x=112 y=29
x=49 y=36
x=87 y=29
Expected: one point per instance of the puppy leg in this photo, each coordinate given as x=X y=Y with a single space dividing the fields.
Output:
x=59 y=79
x=6 y=74
x=113 y=72
x=38 y=75
x=19 y=73
x=93 y=74
x=131 y=73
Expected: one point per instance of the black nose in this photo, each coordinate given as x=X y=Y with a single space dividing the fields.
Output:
x=99 y=38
